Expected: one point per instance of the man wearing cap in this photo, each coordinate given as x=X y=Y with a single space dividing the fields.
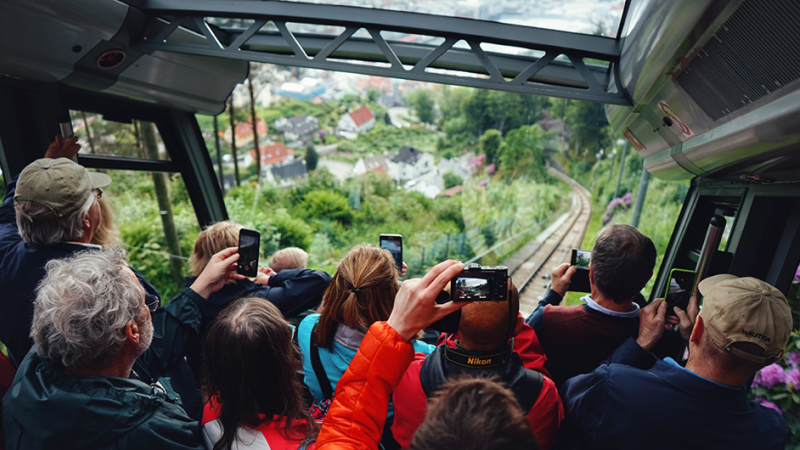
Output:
x=636 y=400
x=50 y=211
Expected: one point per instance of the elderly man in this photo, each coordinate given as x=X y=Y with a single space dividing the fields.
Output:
x=576 y=339
x=481 y=348
x=639 y=401
x=92 y=328
x=50 y=211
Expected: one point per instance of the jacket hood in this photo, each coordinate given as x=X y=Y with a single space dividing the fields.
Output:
x=62 y=411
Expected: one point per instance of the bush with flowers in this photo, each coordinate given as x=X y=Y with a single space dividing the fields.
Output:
x=777 y=386
x=623 y=202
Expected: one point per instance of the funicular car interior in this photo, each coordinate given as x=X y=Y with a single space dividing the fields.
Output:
x=704 y=90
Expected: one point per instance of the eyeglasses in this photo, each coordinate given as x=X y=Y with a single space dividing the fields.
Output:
x=152 y=302
x=98 y=192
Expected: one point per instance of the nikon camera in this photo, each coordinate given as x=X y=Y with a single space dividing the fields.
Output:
x=480 y=284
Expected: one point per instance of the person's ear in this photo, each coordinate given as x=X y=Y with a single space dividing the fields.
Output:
x=591 y=274
x=132 y=332
x=698 y=330
x=518 y=325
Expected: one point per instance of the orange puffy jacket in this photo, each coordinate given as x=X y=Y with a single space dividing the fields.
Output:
x=355 y=419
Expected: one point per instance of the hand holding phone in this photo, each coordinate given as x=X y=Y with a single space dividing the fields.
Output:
x=679 y=289
x=248 y=252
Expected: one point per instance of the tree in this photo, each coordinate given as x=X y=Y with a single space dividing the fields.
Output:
x=588 y=122
x=523 y=151
x=231 y=115
x=373 y=95
x=451 y=179
x=491 y=141
x=254 y=123
x=421 y=101
x=311 y=158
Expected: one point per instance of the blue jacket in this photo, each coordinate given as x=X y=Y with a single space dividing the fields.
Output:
x=21 y=269
x=637 y=401
x=336 y=360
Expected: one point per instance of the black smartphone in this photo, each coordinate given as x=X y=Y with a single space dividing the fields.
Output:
x=580 y=280
x=394 y=243
x=248 y=252
x=679 y=289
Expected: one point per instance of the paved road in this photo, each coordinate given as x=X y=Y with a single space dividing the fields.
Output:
x=341 y=170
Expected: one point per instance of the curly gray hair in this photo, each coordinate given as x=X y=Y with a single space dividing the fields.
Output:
x=82 y=307
x=53 y=231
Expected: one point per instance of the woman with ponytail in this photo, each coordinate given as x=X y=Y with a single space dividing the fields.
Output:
x=361 y=293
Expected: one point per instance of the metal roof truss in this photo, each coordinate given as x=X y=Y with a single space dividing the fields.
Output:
x=551 y=63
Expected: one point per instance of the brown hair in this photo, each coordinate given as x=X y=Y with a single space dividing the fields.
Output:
x=622 y=262
x=361 y=292
x=472 y=414
x=213 y=239
x=251 y=369
x=107 y=233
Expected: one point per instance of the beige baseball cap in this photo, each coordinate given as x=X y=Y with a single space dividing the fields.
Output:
x=746 y=310
x=60 y=184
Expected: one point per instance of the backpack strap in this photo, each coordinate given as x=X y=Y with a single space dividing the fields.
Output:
x=319 y=371
x=527 y=396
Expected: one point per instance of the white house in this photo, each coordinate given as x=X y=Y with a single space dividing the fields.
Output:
x=298 y=129
x=288 y=173
x=362 y=119
x=458 y=165
x=378 y=163
x=429 y=184
x=410 y=163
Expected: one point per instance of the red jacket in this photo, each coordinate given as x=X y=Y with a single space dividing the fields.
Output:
x=264 y=436
x=7 y=373
x=545 y=416
x=355 y=419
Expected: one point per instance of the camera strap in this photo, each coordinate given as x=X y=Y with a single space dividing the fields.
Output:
x=511 y=320
x=477 y=362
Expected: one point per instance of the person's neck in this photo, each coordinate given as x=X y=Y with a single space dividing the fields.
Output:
x=610 y=304
x=705 y=368
x=466 y=344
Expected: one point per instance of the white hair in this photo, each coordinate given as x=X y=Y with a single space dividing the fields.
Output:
x=53 y=231
x=288 y=258
x=82 y=307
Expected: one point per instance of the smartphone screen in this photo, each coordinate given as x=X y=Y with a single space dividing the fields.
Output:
x=580 y=280
x=679 y=289
x=248 y=252
x=394 y=243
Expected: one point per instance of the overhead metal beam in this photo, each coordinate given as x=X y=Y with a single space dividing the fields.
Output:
x=567 y=65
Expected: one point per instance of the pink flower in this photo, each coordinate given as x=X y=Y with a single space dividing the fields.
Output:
x=793 y=379
x=491 y=168
x=770 y=376
x=793 y=359
x=768 y=404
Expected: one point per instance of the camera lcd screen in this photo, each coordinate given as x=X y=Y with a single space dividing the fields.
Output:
x=582 y=259
x=471 y=289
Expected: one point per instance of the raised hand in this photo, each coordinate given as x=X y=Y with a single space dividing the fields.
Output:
x=220 y=268
x=415 y=305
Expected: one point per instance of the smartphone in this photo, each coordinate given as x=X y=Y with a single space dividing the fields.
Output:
x=65 y=128
x=679 y=289
x=580 y=280
x=248 y=252
x=394 y=243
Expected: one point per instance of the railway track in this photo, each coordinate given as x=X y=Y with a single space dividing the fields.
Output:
x=553 y=247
